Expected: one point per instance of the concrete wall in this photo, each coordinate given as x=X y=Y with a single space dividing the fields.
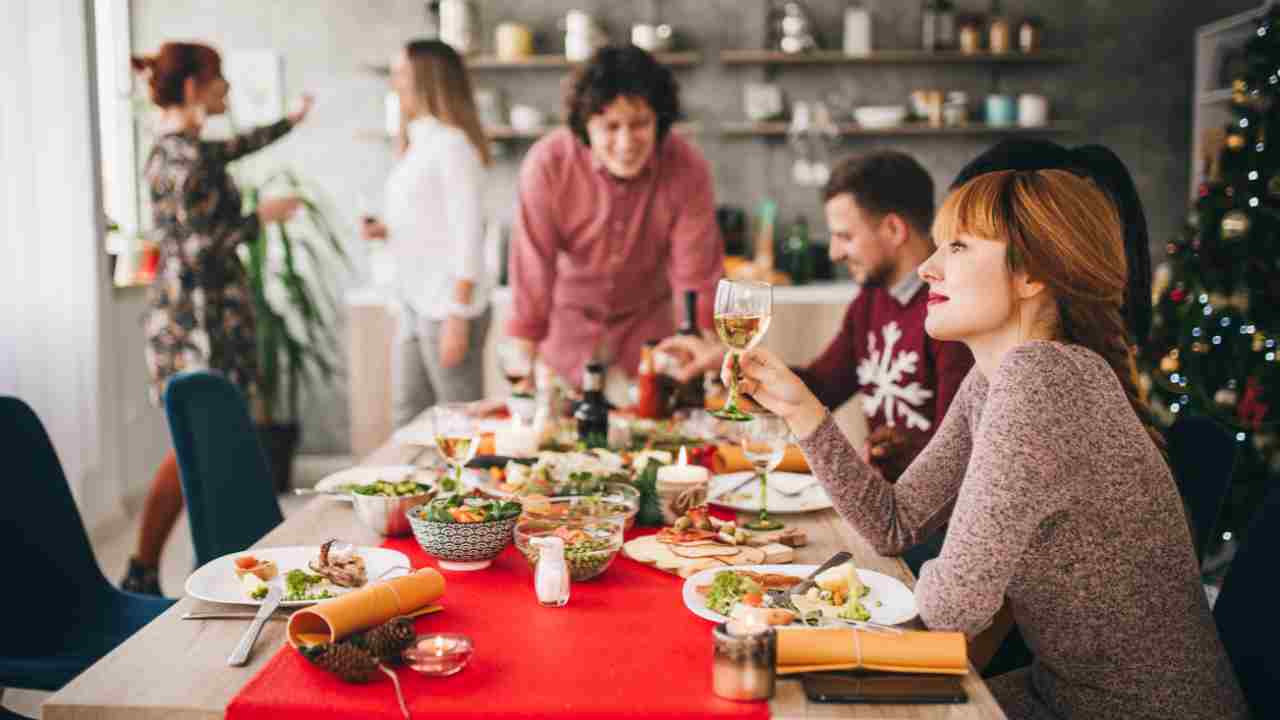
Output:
x=1131 y=91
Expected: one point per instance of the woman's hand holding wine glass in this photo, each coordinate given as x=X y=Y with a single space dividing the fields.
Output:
x=771 y=384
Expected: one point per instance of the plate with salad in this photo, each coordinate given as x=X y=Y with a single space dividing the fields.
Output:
x=848 y=593
x=346 y=481
x=304 y=573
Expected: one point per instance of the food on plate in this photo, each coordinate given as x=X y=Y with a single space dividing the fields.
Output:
x=341 y=565
x=301 y=585
x=460 y=509
x=751 y=615
x=838 y=593
x=253 y=586
x=392 y=489
x=250 y=565
x=572 y=473
x=728 y=588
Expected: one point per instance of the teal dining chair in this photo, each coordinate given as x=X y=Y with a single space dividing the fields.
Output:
x=231 y=502
x=70 y=615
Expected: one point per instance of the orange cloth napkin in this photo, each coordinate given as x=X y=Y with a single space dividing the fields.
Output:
x=817 y=649
x=367 y=607
x=729 y=458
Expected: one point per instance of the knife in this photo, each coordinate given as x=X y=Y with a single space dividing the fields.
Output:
x=240 y=655
x=737 y=486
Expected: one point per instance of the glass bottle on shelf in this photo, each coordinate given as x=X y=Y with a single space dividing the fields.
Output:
x=929 y=25
x=999 y=31
x=857 y=29
x=592 y=414
x=762 y=244
x=945 y=36
x=797 y=258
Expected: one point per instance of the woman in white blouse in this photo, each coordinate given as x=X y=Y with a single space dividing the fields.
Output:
x=434 y=227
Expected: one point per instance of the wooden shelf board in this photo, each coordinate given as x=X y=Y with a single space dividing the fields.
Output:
x=544 y=62
x=831 y=57
x=506 y=132
x=778 y=129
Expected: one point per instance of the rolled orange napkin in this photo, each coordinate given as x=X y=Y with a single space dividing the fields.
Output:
x=729 y=458
x=371 y=605
x=816 y=649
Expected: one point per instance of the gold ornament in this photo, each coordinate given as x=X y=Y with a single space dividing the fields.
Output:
x=1235 y=225
x=1235 y=141
x=1226 y=397
x=1259 y=342
x=1273 y=185
x=1239 y=301
x=1199 y=347
x=1239 y=91
x=1169 y=363
x=1160 y=282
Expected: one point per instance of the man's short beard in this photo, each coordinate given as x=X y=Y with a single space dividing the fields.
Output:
x=879 y=275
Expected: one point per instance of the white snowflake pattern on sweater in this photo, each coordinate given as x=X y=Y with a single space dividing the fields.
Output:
x=885 y=372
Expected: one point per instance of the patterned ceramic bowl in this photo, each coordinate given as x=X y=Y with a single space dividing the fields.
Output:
x=461 y=546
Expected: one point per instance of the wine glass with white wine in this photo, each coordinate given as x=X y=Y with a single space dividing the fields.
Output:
x=457 y=439
x=764 y=443
x=742 y=314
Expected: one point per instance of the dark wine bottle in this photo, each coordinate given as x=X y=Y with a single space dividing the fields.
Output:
x=592 y=414
x=690 y=395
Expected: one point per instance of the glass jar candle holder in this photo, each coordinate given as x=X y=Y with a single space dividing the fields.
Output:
x=744 y=661
x=439 y=655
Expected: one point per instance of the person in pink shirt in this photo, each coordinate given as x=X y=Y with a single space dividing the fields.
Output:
x=616 y=218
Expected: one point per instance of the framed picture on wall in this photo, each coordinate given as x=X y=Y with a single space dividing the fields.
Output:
x=257 y=86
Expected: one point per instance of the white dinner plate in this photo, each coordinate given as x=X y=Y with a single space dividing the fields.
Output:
x=897 y=604
x=747 y=498
x=216 y=580
x=364 y=475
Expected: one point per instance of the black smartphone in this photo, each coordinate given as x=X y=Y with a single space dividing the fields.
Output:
x=862 y=687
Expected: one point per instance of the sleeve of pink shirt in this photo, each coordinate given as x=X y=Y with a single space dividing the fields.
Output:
x=697 y=252
x=531 y=264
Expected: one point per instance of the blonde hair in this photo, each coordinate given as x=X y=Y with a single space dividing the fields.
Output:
x=1063 y=231
x=443 y=87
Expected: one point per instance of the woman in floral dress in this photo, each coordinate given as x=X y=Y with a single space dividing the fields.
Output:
x=201 y=308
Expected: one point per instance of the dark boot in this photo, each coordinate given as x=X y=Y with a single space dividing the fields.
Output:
x=141 y=579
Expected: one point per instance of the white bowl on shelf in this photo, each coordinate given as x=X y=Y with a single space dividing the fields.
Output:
x=880 y=116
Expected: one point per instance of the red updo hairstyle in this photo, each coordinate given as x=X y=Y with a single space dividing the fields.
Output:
x=172 y=64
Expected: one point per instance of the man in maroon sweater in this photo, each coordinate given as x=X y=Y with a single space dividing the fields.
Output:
x=879 y=210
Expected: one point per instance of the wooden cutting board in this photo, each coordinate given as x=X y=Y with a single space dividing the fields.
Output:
x=685 y=560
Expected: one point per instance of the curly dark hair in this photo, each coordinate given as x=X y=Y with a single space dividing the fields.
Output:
x=615 y=71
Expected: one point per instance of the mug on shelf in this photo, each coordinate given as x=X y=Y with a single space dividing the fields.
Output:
x=1033 y=110
x=513 y=41
x=1000 y=110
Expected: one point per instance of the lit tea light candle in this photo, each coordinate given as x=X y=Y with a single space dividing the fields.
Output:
x=440 y=655
x=681 y=486
x=744 y=660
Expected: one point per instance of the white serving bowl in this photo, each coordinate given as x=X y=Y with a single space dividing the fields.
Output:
x=880 y=116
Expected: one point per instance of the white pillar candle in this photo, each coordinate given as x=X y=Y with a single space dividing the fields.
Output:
x=515 y=439
x=678 y=481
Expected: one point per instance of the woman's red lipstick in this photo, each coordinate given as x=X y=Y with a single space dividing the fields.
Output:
x=935 y=298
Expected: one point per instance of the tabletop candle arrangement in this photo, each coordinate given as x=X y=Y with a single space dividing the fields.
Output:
x=439 y=655
x=744 y=660
x=680 y=487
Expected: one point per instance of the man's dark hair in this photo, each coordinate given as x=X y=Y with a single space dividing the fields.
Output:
x=886 y=182
x=615 y=71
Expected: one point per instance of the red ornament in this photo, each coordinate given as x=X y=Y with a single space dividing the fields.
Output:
x=1251 y=410
x=1204 y=189
x=1177 y=295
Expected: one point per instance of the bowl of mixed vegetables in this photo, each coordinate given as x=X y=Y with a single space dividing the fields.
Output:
x=616 y=501
x=590 y=544
x=382 y=505
x=464 y=532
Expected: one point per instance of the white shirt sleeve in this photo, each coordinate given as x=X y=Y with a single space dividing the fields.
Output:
x=463 y=182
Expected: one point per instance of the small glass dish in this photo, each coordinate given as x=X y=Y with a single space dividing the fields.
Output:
x=438 y=654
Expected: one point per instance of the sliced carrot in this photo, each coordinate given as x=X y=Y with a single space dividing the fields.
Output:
x=753 y=599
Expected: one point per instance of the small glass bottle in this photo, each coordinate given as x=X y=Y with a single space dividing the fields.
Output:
x=970 y=35
x=998 y=31
x=857 y=30
x=945 y=38
x=551 y=575
x=1029 y=36
x=929 y=26
x=798 y=258
x=592 y=414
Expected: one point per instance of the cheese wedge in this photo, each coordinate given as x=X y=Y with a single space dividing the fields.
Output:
x=841 y=578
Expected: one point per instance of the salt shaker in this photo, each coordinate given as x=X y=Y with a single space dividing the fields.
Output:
x=551 y=575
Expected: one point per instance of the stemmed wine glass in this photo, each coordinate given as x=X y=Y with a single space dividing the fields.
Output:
x=764 y=443
x=457 y=439
x=743 y=311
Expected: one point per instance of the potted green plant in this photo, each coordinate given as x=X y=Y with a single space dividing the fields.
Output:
x=294 y=309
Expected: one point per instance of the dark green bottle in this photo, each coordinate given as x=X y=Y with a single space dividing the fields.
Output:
x=592 y=413
x=797 y=257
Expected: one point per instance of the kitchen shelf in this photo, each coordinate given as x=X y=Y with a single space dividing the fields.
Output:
x=546 y=62
x=779 y=129
x=886 y=57
x=506 y=132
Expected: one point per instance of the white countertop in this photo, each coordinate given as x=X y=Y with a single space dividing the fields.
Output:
x=825 y=293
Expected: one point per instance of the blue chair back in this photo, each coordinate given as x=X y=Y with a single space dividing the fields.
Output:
x=1245 y=608
x=1202 y=456
x=76 y=616
x=42 y=533
x=231 y=502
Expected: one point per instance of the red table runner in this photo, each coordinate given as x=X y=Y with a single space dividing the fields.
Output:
x=624 y=647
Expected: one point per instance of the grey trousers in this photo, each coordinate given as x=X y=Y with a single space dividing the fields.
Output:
x=418 y=381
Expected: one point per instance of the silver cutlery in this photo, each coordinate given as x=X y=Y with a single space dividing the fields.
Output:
x=240 y=655
x=230 y=616
x=782 y=597
x=738 y=486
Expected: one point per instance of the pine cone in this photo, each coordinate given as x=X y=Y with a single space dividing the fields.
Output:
x=387 y=641
x=346 y=661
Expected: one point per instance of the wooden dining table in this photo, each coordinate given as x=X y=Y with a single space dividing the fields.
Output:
x=177 y=669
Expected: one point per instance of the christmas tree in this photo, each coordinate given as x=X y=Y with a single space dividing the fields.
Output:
x=1215 y=344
